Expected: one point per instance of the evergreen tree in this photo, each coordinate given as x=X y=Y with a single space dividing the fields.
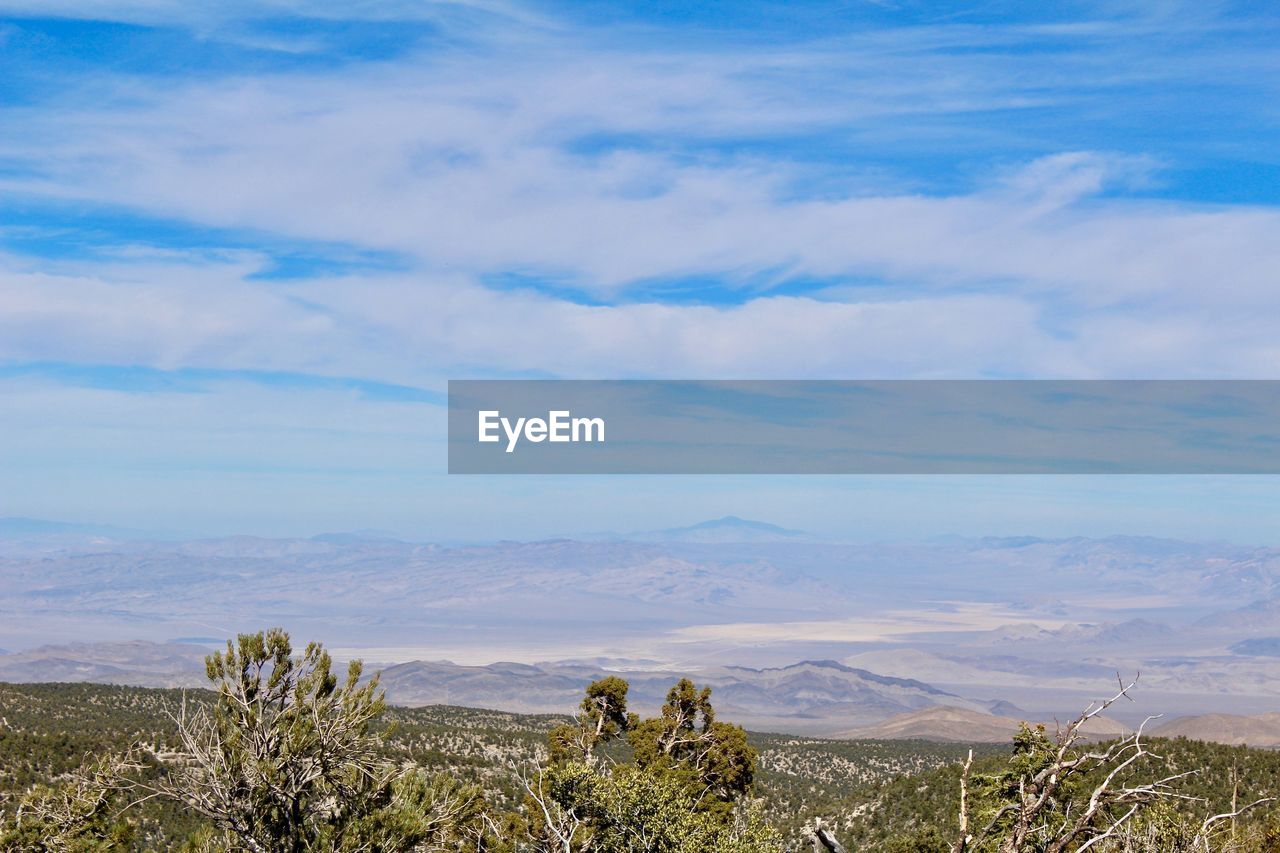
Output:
x=682 y=792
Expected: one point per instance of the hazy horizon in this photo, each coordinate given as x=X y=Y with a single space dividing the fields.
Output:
x=1238 y=509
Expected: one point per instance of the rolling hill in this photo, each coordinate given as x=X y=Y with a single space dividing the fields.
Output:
x=964 y=725
x=1260 y=730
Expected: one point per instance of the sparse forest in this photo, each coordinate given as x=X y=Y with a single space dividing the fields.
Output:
x=283 y=753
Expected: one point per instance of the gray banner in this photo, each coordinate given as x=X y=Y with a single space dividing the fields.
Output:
x=864 y=427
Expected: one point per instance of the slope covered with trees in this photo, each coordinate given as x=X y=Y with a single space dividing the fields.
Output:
x=285 y=754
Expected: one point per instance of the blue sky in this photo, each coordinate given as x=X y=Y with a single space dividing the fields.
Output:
x=244 y=245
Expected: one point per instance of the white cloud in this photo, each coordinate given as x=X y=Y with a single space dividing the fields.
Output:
x=477 y=161
x=205 y=15
x=463 y=163
x=415 y=330
x=420 y=329
x=165 y=315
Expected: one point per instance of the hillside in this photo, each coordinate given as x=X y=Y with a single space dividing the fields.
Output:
x=47 y=729
x=1260 y=730
x=941 y=724
x=963 y=725
x=917 y=812
x=874 y=790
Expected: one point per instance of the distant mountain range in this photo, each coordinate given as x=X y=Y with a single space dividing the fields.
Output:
x=1042 y=623
x=812 y=697
x=822 y=698
x=19 y=529
x=720 y=530
x=137 y=663
x=729 y=528
x=1257 y=647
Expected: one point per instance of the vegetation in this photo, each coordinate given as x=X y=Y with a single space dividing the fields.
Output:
x=282 y=754
x=679 y=787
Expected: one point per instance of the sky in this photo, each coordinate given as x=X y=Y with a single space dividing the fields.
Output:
x=243 y=246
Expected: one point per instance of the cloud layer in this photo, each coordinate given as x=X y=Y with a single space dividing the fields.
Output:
x=399 y=193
